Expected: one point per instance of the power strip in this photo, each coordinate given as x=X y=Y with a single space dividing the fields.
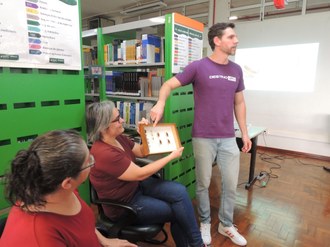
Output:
x=262 y=175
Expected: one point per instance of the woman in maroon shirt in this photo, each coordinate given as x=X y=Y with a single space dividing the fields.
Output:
x=116 y=176
x=42 y=186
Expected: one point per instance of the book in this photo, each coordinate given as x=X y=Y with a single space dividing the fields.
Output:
x=139 y=112
x=151 y=74
x=111 y=78
x=156 y=83
x=131 y=50
x=150 y=50
x=143 y=83
x=105 y=54
x=157 y=44
x=132 y=114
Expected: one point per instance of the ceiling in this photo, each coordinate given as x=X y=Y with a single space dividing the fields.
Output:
x=199 y=9
x=111 y=9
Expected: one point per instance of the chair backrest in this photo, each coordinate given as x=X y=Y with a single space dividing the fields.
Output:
x=2 y=225
x=95 y=198
x=114 y=227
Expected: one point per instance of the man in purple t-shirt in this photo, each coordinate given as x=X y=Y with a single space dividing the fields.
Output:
x=218 y=96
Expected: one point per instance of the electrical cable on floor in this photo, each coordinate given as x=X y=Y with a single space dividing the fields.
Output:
x=307 y=164
x=240 y=184
x=285 y=157
x=264 y=176
x=269 y=159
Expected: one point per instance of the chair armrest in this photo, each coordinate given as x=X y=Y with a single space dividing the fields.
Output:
x=116 y=226
x=109 y=202
x=145 y=161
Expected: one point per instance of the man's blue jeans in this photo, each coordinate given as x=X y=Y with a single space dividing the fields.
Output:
x=159 y=201
x=227 y=155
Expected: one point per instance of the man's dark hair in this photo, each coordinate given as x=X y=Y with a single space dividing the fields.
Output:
x=217 y=30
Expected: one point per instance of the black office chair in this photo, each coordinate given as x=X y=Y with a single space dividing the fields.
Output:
x=124 y=228
x=2 y=225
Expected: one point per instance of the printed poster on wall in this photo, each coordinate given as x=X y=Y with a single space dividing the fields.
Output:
x=187 y=42
x=40 y=34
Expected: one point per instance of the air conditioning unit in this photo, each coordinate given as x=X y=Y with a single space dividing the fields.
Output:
x=143 y=7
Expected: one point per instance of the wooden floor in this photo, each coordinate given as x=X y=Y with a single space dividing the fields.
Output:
x=293 y=209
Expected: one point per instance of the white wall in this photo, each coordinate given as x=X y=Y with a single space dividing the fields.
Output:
x=295 y=121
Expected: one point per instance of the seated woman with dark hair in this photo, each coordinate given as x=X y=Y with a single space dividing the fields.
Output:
x=42 y=185
x=116 y=176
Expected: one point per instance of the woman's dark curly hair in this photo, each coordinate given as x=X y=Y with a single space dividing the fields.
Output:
x=41 y=168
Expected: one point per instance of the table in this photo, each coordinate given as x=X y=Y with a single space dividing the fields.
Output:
x=254 y=132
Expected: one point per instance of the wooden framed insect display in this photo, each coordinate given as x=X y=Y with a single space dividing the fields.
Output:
x=163 y=138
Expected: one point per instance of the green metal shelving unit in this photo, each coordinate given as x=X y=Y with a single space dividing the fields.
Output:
x=179 y=109
x=34 y=101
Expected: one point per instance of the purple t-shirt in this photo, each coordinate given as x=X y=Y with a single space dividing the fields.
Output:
x=214 y=87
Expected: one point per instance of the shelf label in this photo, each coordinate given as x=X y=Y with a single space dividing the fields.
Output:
x=187 y=43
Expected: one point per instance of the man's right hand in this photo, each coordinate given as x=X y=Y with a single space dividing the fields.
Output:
x=157 y=112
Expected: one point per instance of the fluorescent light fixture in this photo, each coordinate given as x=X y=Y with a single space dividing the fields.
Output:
x=232 y=18
x=143 y=7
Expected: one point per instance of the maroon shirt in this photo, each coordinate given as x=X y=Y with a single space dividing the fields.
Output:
x=110 y=163
x=50 y=229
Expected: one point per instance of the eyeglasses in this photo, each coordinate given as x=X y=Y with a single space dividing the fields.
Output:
x=91 y=163
x=117 y=119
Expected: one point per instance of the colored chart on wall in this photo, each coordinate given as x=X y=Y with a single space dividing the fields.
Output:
x=187 y=42
x=40 y=34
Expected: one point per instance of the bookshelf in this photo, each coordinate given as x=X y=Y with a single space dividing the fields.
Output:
x=139 y=65
x=89 y=52
x=172 y=29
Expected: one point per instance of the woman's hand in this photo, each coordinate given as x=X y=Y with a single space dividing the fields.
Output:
x=176 y=153
x=143 y=121
x=115 y=242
